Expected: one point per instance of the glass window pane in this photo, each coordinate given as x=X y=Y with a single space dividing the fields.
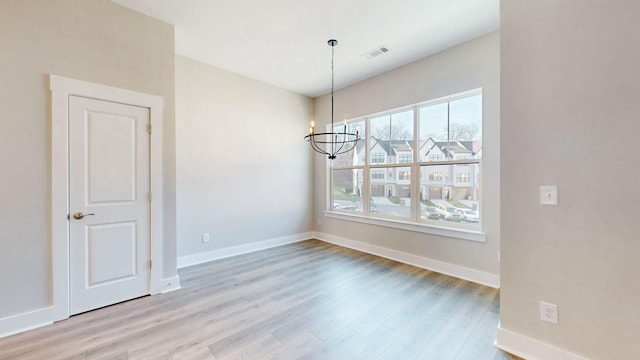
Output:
x=465 y=117
x=402 y=125
x=433 y=132
x=347 y=190
x=450 y=193
x=379 y=152
x=391 y=196
x=392 y=138
x=451 y=130
x=356 y=155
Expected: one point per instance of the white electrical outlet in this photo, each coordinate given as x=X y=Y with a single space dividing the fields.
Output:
x=549 y=312
x=319 y=221
x=548 y=195
x=205 y=238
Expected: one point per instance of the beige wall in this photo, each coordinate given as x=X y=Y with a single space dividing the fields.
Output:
x=92 y=40
x=474 y=64
x=244 y=171
x=570 y=90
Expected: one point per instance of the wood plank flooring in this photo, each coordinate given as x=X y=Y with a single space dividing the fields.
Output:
x=308 y=300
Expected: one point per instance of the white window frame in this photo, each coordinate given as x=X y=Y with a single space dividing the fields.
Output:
x=473 y=233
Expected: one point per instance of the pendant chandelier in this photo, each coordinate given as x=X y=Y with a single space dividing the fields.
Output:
x=335 y=142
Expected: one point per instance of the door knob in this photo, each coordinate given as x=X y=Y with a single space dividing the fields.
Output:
x=80 y=215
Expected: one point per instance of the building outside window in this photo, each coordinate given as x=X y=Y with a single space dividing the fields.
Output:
x=377 y=158
x=377 y=174
x=405 y=158
x=462 y=177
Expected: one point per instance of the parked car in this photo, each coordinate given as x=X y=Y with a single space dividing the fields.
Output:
x=430 y=212
x=452 y=214
x=470 y=215
x=347 y=206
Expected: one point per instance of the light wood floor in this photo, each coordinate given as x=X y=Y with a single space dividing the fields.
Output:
x=308 y=300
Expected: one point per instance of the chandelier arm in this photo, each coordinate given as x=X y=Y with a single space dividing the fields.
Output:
x=347 y=149
x=321 y=148
x=337 y=151
x=317 y=148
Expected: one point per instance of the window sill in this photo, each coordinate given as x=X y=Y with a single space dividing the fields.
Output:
x=410 y=226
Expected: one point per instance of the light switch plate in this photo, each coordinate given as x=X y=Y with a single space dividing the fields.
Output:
x=548 y=195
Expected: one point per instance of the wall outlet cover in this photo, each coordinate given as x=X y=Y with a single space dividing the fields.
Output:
x=549 y=312
x=548 y=195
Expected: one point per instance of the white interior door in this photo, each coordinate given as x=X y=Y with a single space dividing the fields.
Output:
x=109 y=238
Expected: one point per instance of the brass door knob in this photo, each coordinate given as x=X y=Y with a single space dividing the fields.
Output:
x=80 y=215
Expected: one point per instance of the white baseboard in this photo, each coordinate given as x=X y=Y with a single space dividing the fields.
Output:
x=170 y=284
x=30 y=320
x=531 y=349
x=473 y=275
x=204 y=257
x=26 y=321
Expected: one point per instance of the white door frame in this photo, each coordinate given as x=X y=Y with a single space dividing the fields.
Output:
x=61 y=88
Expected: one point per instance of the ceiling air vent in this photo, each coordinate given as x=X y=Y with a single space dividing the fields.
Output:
x=377 y=52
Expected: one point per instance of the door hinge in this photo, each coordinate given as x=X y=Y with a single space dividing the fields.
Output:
x=149 y=128
x=150 y=196
x=150 y=264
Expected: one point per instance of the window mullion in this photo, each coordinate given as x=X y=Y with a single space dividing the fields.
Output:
x=415 y=169
x=366 y=171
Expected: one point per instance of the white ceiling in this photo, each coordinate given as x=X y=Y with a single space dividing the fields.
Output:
x=284 y=42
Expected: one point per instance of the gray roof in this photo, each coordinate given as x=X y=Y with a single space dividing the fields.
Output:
x=391 y=147
x=454 y=146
